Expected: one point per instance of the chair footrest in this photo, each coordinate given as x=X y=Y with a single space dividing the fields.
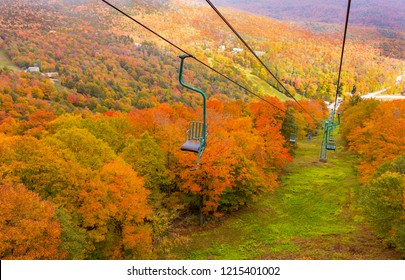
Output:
x=191 y=146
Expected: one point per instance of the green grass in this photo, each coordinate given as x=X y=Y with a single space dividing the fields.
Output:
x=312 y=215
x=263 y=88
x=5 y=61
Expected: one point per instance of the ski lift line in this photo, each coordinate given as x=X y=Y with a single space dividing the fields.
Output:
x=341 y=56
x=198 y=60
x=287 y=93
x=239 y=85
x=246 y=45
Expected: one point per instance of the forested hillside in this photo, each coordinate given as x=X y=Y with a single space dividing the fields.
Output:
x=384 y=14
x=382 y=22
x=92 y=118
x=106 y=62
x=117 y=182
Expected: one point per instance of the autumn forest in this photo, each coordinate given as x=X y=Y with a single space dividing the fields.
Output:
x=92 y=118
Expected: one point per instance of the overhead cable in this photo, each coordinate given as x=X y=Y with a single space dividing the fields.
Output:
x=198 y=60
x=341 y=56
x=287 y=93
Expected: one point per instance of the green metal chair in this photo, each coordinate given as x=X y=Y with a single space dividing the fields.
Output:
x=196 y=135
x=331 y=145
x=293 y=135
x=293 y=138
x=328 y=141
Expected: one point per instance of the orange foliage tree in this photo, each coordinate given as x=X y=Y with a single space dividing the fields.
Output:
x=126 y=202
x=267 y=123
x=29 y=228
x=103 y=206
x=375 y=131
x=380 y=135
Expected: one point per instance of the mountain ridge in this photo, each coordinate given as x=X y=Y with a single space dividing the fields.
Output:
x=104 y=58
x=388 y=14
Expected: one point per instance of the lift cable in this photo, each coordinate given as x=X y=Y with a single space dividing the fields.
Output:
x=328 y=141
x=341 y=57
x=198 y=60
x=287 y=93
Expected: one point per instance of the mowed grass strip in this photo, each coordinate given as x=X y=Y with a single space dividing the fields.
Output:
x=314 y=214
x=5 y=61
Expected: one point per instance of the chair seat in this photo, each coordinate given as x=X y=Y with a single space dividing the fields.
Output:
x=191 y=146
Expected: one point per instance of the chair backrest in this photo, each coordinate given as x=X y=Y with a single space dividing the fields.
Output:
x=293 y=137
x=331 y=145
x=195 y=131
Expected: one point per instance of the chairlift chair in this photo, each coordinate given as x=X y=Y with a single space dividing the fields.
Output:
x=194 y=138
x=331 y=145
x=196 y=134
x=293 y=138
x=293 y=135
